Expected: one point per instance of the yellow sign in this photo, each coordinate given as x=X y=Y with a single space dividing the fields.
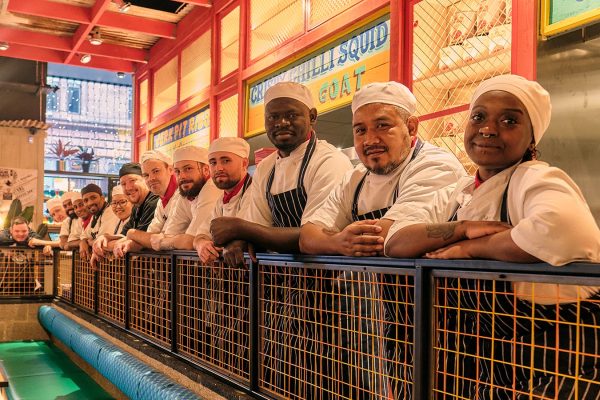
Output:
x=332 y=74
x=563 y=15
x=192 y=129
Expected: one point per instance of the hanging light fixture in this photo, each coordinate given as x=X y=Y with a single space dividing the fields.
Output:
x=125 y=7
x=86 y=58
x=95 y=37
x=4 y=46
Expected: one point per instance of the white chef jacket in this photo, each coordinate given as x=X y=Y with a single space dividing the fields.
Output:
x=202 y=207
x=231 y=209
x=161 y=213
x=64 y=227
x=325 y=170
x=424 y=187
x=76 y=230
x=106 y=225
x=551 y=220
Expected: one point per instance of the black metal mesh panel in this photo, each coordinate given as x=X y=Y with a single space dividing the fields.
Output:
x=150 y=303
x=65 y=274
x=111 y=289
x=213 y=311
x=514 y=340
x=84 y=283
x=335 y=334
x=24 y=272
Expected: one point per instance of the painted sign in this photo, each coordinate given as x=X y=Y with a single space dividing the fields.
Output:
x=192 y=129
x=17 y=184
x=333 y=74
x=562 y=15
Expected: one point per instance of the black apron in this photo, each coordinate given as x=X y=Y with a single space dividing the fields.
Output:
x=546 y=370
x=377 y=346
x=97 y=218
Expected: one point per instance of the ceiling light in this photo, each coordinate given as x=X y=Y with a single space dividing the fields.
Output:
x=125 y=7
x=4 y=46
x=120 y=75
x=86 y=58
x=95 y=38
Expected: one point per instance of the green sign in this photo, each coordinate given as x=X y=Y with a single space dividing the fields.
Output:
x=563 y=9
x=563 y=15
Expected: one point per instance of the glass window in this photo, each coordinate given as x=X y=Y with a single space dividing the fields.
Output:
x=230 y=44
x=273 y=22
x=165 y=87
x=228 y=117
x=74 y=98
x=143 y=101
x=195 y=66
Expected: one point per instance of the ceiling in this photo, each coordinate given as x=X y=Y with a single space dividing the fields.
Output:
x=58 y=31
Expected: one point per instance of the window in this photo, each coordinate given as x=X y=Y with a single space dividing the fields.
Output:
x=165 y=87
x=74 y=98
x=195 y=66
x=230 y=44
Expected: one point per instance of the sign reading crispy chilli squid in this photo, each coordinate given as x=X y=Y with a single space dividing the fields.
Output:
x=191 y=129
x=333 y=73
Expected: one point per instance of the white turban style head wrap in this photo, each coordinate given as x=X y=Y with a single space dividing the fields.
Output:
x=235 y=145
x=533 y=96
x=53 y=203
x=155 y=155
x=117 y=190
x=290 y=90
x=70 y=196
x=191 y=153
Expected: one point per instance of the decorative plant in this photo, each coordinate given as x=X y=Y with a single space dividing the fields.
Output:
x=86 y=155
x=16 y=210
x=62 y=151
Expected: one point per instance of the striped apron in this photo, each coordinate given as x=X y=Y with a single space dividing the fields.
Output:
x=292 y=347
x=374 y=328
x=546 y=370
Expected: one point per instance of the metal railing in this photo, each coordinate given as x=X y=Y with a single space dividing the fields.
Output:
x=25 y=273
x=373 y=328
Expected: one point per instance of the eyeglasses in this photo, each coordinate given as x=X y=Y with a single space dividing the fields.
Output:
x=121 y=203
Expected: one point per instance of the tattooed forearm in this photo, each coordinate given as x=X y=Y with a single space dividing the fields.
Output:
x=444 y=231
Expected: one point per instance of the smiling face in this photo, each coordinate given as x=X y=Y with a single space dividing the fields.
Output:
x=121 y=206
x=80 y=209
x=93 y=201
x=191 y=177
x=288 y=123
x=498 y=132
x=68 y=206
x=157 y=175
x=19 y=232
x=382 y=136
x=58 y=214
x=226 y=169
x=134 y=187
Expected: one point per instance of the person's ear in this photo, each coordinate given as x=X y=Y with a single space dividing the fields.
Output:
x=412 y=123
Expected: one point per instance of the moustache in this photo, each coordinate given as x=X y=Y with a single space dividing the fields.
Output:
x=374 y=149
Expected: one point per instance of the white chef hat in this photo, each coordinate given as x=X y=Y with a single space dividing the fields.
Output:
x=117 y=190
x=54 y=203
x=533 y=96
x=235 y=145
x=391 y=92
x=155 y=155
x=191 y=153
x=70 y=196
x=291 y=90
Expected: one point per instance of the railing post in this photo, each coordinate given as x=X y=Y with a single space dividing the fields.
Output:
x=73 y=255
x=127 y=290
x=55 y=266
x=423 y=340
x=96 y=286
x=254 y=326
x=173 y=303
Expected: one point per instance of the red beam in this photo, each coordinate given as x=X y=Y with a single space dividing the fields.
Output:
x=50 y=9
x=34 y=39
x=84 y=30
x=202 y=3
x=115 y=51
x=137 y=24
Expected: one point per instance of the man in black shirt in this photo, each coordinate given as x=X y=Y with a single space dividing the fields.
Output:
x=18 y=234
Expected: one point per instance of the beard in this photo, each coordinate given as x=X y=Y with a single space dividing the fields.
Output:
x=194 y=190
x=386 y=169
x=72 y=215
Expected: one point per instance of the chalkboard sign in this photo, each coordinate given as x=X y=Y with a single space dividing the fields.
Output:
x=563 y=15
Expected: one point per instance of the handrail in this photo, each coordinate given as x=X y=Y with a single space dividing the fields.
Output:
x=360 y=327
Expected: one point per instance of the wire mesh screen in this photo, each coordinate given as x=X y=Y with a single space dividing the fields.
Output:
x=515 y=340
x=230 y=42
x=213 y=315
x=456 y=45
x=84 y=283
x=24 y=272
x=322 y=10
x=150 y=297
x=111 y=289
x=335 y=334
x=272 y=22
x=65 y=275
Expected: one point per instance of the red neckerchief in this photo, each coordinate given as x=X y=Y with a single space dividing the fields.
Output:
x=478 y=180
x=236 y=189
x=86 y=221
x=170 y=191
x=413 y=141
x=310 y=134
